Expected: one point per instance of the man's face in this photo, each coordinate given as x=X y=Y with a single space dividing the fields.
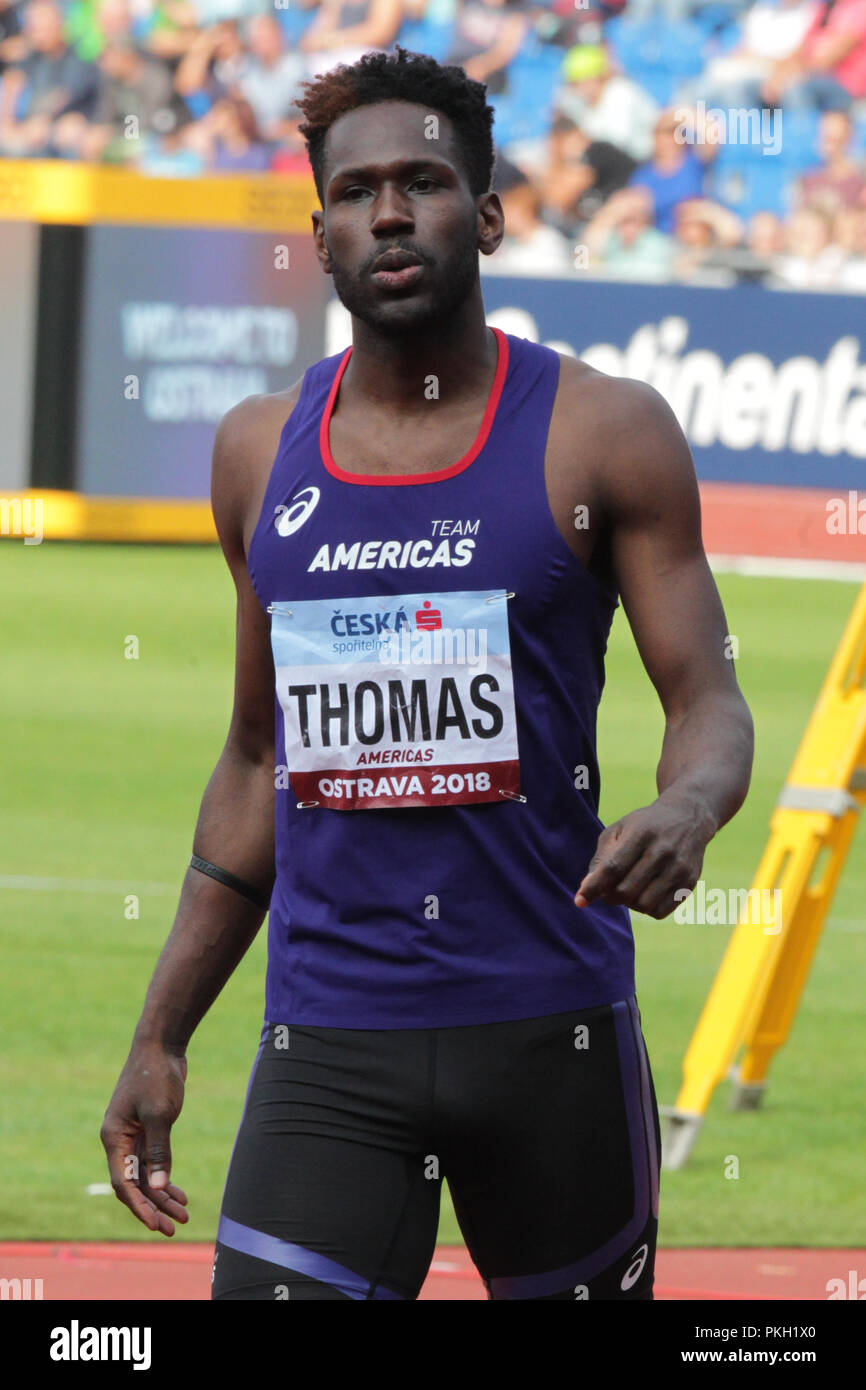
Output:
x=264 y=38
x=835 y=134
x=44 y=27
x=390 y=192
x=115 y=19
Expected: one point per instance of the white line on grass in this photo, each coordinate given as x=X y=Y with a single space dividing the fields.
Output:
x=768 y=568
x=82 y=885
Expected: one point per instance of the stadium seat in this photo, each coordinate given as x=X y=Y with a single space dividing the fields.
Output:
x=733 y=154
x=426 y=36
x=658 y=54
x=655 y=80
x=293 y=23
x=858 y=148
x=636 y=43
x=799 y=139
x=753 y=187
x=684 y=48
x=505 y=128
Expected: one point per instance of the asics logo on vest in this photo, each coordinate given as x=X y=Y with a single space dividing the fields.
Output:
x=292 y=518
x=635 y=1269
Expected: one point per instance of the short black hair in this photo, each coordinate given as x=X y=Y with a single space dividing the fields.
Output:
x=402 y=76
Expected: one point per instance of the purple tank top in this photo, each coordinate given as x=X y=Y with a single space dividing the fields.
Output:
x=439 y=659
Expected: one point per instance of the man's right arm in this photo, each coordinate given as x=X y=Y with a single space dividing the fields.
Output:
x=214 y=925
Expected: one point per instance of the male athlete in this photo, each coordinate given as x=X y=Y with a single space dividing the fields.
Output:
x=428 y=534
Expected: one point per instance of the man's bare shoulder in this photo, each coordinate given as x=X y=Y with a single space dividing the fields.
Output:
x=624 y=431
x=245 y=445
x=612 y=404
x=255 y=418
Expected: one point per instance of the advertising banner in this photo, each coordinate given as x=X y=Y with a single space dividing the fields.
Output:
x=769 y=386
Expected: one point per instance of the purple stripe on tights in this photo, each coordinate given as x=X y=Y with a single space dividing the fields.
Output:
x=647 y=1108
x=296 y=1258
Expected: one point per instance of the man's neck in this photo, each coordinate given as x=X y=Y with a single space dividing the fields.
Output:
x=460 y=354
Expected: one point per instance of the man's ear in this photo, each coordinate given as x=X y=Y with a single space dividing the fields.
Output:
x=319 y=242
x=491 y=223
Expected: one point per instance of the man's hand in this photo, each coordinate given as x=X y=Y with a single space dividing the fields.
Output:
x=135 y=1134
x=642 y=860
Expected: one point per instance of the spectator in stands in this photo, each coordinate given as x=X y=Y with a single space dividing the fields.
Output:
x=175 y=155
x=706 y=233
x=345 y=29
x=13 y=44
x=622 y=240
x=828 y=70
x=487 y=35
x=49 y=82
x=604 y=104
x=563 y=24
x=136 y=100
x=211 y=67
x=674 y=173
x=756 y=255
x=89 y=24
x=580 y=175
x=811 y=261
x=269 y=79
x=839 y=180
x=164 y=27
x=765 y=237
x=235 y=141
x=529 y=246
x=771 y=32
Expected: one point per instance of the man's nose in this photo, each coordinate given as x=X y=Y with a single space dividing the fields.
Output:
x=392 y=209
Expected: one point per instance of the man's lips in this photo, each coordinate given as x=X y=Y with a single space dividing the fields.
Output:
x=394 y=269
x=396 y=279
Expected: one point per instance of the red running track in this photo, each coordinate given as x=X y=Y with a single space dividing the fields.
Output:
x=144 y=1271
x=787 y=523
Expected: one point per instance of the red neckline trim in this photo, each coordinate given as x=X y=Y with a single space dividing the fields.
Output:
x=407 y=479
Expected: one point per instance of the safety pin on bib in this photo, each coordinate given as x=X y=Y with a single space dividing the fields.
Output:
x=280 y=608
x=494 y=598
x=512 y=796
x=302 y=805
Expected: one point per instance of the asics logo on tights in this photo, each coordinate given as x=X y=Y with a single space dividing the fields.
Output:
x=635 y=1269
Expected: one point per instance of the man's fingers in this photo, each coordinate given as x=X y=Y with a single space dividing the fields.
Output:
x=613 y=858
x=166 y=1204
x=127 y=1191
x=124 y=1165
x=636 y=881
x=659 y=899
x=157 y=1150
x=146 y=1206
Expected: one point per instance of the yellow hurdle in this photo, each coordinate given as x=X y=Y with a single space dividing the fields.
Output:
x=754 y=997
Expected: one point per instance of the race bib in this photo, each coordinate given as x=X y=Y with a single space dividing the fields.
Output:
x=397 y=701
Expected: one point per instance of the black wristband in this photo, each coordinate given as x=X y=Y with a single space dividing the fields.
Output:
x=238 y=885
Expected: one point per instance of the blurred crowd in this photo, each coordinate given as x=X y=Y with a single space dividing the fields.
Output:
x=618 y=147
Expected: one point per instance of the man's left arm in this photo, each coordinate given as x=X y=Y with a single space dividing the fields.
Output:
x=650 y=497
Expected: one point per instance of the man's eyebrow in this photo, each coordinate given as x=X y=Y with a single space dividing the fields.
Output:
x=428 y=161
